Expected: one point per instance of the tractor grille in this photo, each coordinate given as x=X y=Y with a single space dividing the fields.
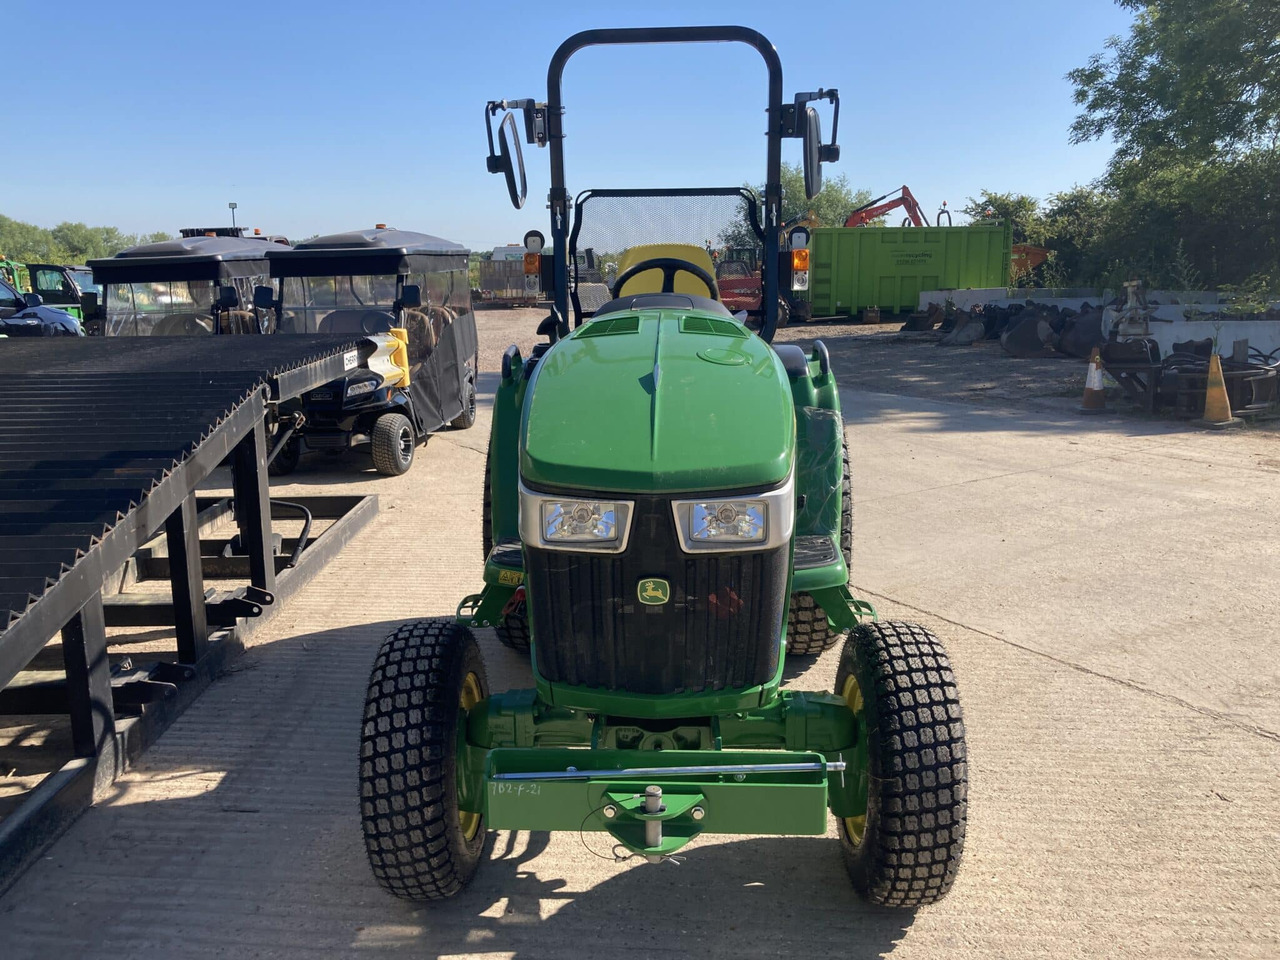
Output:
x=719 y=630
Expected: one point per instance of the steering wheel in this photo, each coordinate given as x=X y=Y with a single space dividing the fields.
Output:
x=669 y=266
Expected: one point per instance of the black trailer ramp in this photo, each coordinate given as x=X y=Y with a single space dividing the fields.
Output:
x=103 y=444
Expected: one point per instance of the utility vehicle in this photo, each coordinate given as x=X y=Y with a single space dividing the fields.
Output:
x=200 y=284
x=667 y=508
x=372 y=282
x=25 y=315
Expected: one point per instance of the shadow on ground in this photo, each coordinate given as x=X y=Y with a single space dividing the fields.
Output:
x=240 y=835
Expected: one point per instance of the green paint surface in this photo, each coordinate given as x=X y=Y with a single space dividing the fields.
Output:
x=642 y=412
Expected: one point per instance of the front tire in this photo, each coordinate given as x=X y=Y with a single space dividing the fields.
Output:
x=286 y=461
x=392 y=444
x=808 y=632
x=421 y=845
x=905 y=850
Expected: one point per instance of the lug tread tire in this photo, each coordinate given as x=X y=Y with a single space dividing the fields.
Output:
x=808 y=632
x=918 y=805
x=385 y=444
x=408 y=764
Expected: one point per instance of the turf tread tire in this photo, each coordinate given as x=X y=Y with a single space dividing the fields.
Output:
x=808 y=632
x=408 y=764
x=384 y=445
x=467 y=418
x=286 y=461
x=917 y=808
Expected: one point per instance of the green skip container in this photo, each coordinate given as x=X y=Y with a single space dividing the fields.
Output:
x=887 y=267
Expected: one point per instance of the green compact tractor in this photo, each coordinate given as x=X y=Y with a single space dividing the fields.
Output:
x=667 y=513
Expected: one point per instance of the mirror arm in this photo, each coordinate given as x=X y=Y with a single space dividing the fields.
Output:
x=793 y=125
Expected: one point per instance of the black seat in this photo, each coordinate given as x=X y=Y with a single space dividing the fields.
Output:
x=664 y=301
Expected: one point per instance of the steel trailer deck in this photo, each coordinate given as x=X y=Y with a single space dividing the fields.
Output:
x=103 y=443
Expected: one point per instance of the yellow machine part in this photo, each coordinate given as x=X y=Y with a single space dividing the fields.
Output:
x=651 y=280
x=390 y=359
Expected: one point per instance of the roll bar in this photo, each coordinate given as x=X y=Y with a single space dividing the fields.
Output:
x=544 y=126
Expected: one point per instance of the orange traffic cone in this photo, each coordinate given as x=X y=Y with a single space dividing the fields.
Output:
x=1095 y=394
x=1217 y=406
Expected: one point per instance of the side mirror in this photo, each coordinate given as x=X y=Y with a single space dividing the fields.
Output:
x=228 y=298
x=510 y=161
x=32 y=299
x=812 y=153
x=264 y=298
x=411 y=296
x=89 y=305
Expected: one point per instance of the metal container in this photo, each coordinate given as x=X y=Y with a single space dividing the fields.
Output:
x=887 y=267
x=504 y=281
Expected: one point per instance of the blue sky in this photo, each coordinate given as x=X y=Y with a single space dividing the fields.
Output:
x=321 y=116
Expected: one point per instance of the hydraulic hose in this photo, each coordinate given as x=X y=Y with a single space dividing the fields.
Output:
x=306 y=529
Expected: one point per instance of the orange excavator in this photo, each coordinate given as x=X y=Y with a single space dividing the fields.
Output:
x=877 y=208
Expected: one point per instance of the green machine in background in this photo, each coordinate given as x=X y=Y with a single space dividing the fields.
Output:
x=667 y=518
x=853 y=268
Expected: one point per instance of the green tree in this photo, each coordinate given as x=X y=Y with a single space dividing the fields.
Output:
x=1195 y=78
x=830 y=207
x=67 y=242
x=1023 y=211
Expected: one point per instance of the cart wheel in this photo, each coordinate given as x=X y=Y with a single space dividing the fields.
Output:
x=904 y=851
x=784 y=313
x=286 y=460
x=421 y=846
x=393 y=444
x=807 y=629
x=467 y=418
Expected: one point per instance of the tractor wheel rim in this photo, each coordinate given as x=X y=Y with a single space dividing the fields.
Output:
x=469 y=822
x=855 y=827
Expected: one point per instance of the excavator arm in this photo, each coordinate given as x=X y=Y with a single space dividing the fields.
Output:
x=876 y=209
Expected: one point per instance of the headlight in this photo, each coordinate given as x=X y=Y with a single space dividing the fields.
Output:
x=578 y=521
x=736 y=521
x=361 y=387
x=566 y=523
x=759 y=522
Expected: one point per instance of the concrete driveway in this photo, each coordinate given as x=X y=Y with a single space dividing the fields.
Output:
x=1106 y=588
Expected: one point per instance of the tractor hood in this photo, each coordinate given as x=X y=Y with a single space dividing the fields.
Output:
x=658 y=401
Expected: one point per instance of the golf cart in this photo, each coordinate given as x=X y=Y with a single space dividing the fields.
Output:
x=379 y=281
x=668 y=516
x=197 y=285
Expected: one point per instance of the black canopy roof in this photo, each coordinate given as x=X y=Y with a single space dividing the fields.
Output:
x=187 y=258
x=377 y=252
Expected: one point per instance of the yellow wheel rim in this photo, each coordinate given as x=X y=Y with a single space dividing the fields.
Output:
x=469 y=823
x=855 y=827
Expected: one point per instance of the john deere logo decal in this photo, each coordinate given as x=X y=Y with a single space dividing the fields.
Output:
x=654 y=591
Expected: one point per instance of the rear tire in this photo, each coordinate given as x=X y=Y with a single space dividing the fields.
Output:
x=906 y=850
x=393 y=444
x=467 y=418
x=808 y=632
x=421 y=846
